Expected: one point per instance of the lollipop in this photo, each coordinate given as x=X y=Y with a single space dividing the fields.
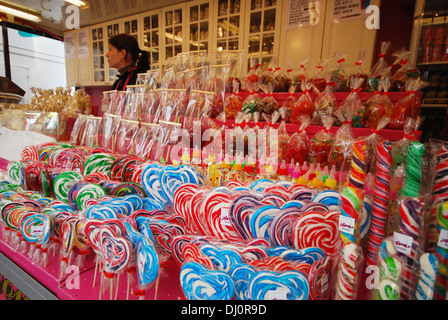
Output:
x=380 y=199
x=269 y=285
x=200 y=283
x=30 y=153
x=347 y=272
x=63 y=182
x=147 y=263
x=413 y=169
x=241 y=274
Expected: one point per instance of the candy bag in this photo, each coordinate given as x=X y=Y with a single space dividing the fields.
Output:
x=233 y=102
x=288 y=103
x=321 y=143
x=318 y=79
x=272 y=137
x=268 y=104
x=118 y=103
x=304 y=105
x=251 y=80
x=173 y=104
x=282 y=81
x=359 y=72
x=235 y=59
x=353 y=102
x=252 y=102
x=379 y=68
x=92 y=132
x=325 y=102
x=408 y=106
x=341 y=151
x=338 y=79
x=406 y=72
x=267 y=76
x=134 y=102
x=298 y=146
x=300 y=75
x=217 y=76
x=399 y=147
x=107 y=100
x=379 y=105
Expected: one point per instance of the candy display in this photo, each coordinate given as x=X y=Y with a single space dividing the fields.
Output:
x=290 y=206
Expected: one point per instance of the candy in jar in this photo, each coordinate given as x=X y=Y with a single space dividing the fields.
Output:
x=321 y=143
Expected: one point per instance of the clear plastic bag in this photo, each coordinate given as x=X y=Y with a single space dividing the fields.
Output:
x=321 y=143
x=341 y=152
x=304 y=105
x=300 y=75
x=354 y=103
x=111 y=125
x=406 y=72
x=379 y=105
x=359 y=72
x=298 y=146
x=379 y=69
x=233 y=103
x=338 y=80
x=325 y=102
x=125 y=136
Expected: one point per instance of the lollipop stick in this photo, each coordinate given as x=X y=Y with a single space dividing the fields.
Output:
x=116 y=287
x=157 y=287
x=94 y=276
x=128 y=286
x=111 y=287
x=101 y=286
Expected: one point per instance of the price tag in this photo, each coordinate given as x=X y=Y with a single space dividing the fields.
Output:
x=443 y=239
x=37 y=230
x=403 y=243
x=346 y=224
x=225 y=219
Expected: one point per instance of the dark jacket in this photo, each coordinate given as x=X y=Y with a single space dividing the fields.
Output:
x=129 y=77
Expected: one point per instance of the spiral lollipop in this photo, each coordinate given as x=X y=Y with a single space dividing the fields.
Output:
x=351 y=206
x=380 y=199
x=358 y=165
x=30 y=153
x=63 y=182
x=347 y=274
x=413 y=169
x=428 y=272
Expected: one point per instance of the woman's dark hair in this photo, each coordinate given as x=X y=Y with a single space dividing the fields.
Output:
x=130 y=44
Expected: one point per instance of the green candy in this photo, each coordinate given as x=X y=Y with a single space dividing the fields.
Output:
x=388 y=290
x=414 y=160
x=390 y=267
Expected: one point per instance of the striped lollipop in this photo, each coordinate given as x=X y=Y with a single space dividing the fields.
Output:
x=380 y=199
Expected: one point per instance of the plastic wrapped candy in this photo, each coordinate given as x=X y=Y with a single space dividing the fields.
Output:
x=300 y=75
x=321 y=143
x=325 y=102
x=318 y=79
x=406 y=72
x=341 y=151
x=289 y=102
x=399 y=147
x=252 y=102
x=298 y=145
x=304 y=105
x=359 y=72
x=379 y=105
x=267 y=76
x=408 y=106
x=252 y=77
x=354 y=102
x=282 y=81
x=379 y=68
x=338 y=78
x=234 y=102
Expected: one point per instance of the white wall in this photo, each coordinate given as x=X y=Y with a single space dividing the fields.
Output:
x=35 y=62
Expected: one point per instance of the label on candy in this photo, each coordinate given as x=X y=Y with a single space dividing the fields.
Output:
x=37 y=230
x=276 y=295
x=141 y=262
x=403 y=243
x=225 y=219
x=346 y=224
x=443 y=239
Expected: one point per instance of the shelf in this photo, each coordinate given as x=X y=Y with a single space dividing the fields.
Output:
x=432 y=63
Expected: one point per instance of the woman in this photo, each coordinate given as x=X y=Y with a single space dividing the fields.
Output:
x=125 y=55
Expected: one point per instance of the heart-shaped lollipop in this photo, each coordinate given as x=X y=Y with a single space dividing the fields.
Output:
x=200 y=283
x=288 y=285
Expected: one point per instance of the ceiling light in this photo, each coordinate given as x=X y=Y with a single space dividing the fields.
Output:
x=79 y=3
x=20 y=11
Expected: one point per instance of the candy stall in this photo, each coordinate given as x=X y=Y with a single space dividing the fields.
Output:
x=196 y=184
